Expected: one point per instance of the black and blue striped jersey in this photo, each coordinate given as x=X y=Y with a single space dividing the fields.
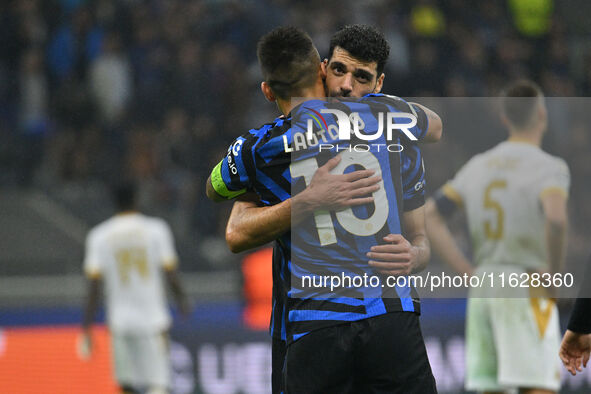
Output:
x=266 y=161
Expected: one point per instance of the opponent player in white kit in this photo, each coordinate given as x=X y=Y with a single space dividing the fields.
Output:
x=514 y=197
x=132 y=254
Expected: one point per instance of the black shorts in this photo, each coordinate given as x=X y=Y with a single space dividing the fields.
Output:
x=382 y=354
x=279 y=348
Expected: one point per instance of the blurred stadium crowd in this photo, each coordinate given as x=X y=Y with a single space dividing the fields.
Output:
x=94 y=90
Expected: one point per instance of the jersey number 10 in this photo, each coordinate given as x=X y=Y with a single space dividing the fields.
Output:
x=347 y=219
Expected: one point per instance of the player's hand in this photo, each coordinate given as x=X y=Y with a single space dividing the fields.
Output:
x=398 y=257
x=85 y=345
x=335 y=192
x=574 y=351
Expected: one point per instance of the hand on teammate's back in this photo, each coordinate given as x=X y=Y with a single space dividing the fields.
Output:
x=339 y=191
x=397 y=257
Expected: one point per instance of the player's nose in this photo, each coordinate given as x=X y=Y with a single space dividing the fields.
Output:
x=347 y=85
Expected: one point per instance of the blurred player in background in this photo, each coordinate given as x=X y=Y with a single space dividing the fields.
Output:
x=133 y=254
x=354 y=68
x=515 y=198
x=372 y=315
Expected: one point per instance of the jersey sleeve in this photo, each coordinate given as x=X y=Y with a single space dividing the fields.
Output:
x=92 y=259
x=420 y=129
x=456 y=189
x=232 y=176
x=555 y=177
x=167 y=252
x=413 y=177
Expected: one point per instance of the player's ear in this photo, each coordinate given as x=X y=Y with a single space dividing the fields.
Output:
x=324 y=67
x=323 y=70
x=379 y=83
x=267 y=92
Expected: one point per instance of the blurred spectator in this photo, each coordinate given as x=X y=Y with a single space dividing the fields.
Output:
x=34 y=120
x=532 y=18
x=34 y=94
x=427 y=19
x=73 y=45
x=110 y=80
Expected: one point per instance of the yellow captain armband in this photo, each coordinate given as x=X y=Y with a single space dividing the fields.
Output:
x=219 y=185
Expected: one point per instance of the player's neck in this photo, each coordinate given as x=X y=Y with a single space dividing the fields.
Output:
x=314 y=92
x=127 y=212
x=526 y=138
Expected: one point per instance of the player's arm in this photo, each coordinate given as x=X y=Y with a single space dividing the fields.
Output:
x=435 y=125
x=90 y=309
x=233 y=175
x=443 y=243
x=575 y=348
x=216 y=189
x=93 y=272
x=428 y=127
x=251 y=225
x=177 y=290
x=169 y=263
x=92 y=302
x=403 y=255
x=416 y=233
x=555 y=211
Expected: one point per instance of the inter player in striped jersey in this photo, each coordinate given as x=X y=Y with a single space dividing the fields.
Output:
x=256 y=161
x=354 y=68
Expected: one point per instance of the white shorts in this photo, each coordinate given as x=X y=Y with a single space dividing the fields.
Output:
x=141 y=360
x=512 y=343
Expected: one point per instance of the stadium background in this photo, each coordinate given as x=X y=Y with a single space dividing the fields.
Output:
x=91 y=91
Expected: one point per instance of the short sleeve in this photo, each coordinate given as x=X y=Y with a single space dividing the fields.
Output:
x=555 y=178
x=231 y=177
x=419 y=130
x=413 y=177
x=422 y=126
x=165 y=241
x=92 y=258
x=456 y=189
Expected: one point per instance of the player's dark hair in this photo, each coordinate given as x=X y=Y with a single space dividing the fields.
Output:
x=519 y=102
x=124 y=195
x=362 y=42
x=289 y=60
